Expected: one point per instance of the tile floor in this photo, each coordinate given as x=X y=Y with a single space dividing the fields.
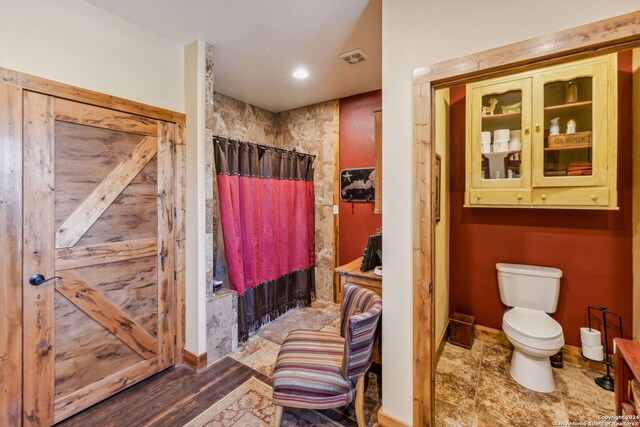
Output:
x=261 y=350
x=474 y=388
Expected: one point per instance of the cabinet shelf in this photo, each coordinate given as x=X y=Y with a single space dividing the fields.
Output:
x=502 y=152
x=563 y=107
x=502 y=116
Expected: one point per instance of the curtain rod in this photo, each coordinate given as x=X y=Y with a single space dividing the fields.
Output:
x=269 y=147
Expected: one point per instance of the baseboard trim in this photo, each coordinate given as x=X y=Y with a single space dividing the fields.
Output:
x=571 y=354
x=495 y=336
x=441 y=343
x=196 y=363
x=385 y=420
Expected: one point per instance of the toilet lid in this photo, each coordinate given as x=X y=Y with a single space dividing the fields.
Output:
x=533 y=323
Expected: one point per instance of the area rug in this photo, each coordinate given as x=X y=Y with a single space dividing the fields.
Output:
x=250 y=405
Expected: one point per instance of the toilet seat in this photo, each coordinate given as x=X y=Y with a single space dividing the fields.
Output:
x=532 y=328
x=532 y=323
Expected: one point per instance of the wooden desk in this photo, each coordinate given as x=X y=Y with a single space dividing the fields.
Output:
x=351 y=274
x=626 y=360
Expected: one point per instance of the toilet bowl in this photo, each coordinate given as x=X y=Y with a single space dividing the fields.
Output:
x=535 y=336
x=531 y=292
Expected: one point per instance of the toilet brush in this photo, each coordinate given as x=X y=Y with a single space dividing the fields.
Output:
x=606 y=381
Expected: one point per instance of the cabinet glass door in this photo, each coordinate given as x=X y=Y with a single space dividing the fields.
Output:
x=500 y=134
x=570 y=126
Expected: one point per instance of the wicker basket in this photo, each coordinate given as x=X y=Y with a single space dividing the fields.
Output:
x=461 y=330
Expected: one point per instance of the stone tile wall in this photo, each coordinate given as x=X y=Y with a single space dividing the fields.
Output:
x=222 y=324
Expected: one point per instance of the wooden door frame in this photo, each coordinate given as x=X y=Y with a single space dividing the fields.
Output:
x=598 y=38
x=11 y=286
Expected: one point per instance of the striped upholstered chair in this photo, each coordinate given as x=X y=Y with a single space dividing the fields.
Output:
x=320 y=370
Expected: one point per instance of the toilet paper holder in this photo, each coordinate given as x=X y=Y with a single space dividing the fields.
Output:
x=606 y=381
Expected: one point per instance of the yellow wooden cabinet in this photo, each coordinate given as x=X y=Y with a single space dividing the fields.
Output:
x=546 y=138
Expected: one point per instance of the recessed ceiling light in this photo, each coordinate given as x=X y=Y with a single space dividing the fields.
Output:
x=300 y=73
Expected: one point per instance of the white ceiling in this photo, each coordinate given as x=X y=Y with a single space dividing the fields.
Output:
x=258 y=44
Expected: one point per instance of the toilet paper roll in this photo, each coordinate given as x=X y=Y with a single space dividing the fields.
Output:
x=485 y=137
x=515 y=135
x=590 y=337
x=501 y=135
x=499 y=146
x=593 y=353
x=515 y=145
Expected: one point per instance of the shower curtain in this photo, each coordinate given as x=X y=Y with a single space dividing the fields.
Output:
x=266 y=212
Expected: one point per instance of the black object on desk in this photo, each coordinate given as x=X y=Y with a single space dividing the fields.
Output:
x=373 y=253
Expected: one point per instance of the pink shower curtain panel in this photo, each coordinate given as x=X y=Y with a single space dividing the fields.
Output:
x=267 y=216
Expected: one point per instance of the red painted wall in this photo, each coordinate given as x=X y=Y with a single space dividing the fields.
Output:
x=357 y=150
x=592 y=248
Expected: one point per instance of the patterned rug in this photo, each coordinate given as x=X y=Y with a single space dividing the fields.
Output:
x=250 y=406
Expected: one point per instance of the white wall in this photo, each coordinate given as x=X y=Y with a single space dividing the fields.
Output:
x=73 y=42
x=417 y=33
x=195 y=295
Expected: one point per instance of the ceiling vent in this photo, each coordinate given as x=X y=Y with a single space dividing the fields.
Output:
x=354 y=56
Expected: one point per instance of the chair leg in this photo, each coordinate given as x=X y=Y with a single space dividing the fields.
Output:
x=360 y=401
x=277 y=417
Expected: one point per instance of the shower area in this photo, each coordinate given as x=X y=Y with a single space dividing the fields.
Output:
x=270 y=227
x=266 y=214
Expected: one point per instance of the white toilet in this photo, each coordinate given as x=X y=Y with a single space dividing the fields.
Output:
x=530 y=292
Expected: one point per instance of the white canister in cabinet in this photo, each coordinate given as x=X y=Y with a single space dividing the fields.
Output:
x=500 y=146
x=501 y=135
x=515 y=136
x=485 y=137
x=486 y=148
x=571 y=126
x=554 y=129
x=515 y=146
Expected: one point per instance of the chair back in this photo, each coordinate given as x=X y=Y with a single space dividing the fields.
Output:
x=361 y=310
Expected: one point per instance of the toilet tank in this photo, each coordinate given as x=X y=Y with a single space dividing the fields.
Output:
x=529 y=286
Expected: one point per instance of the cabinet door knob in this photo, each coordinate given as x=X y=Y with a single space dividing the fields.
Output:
x=543 y=197
x=594 y=197
x=526 y=131
x=478 y=196
x=537 y=127
x=519 y=196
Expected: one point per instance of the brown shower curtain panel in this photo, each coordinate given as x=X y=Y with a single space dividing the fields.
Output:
x=266 y=212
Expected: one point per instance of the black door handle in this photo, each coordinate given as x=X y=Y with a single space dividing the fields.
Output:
x=39 y=279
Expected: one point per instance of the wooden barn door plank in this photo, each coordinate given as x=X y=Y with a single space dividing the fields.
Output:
x=11 y=259
x=166 y=236
x=84 y=114
x=92 y=302
x=85 y=256
x=100 y=390
x=180 y=233
x=38 y=392
x=77 y=224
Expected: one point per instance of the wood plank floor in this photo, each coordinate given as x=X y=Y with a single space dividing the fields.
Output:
x=169 y=398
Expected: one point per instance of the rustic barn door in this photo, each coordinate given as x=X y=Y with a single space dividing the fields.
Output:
x=99 y=297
